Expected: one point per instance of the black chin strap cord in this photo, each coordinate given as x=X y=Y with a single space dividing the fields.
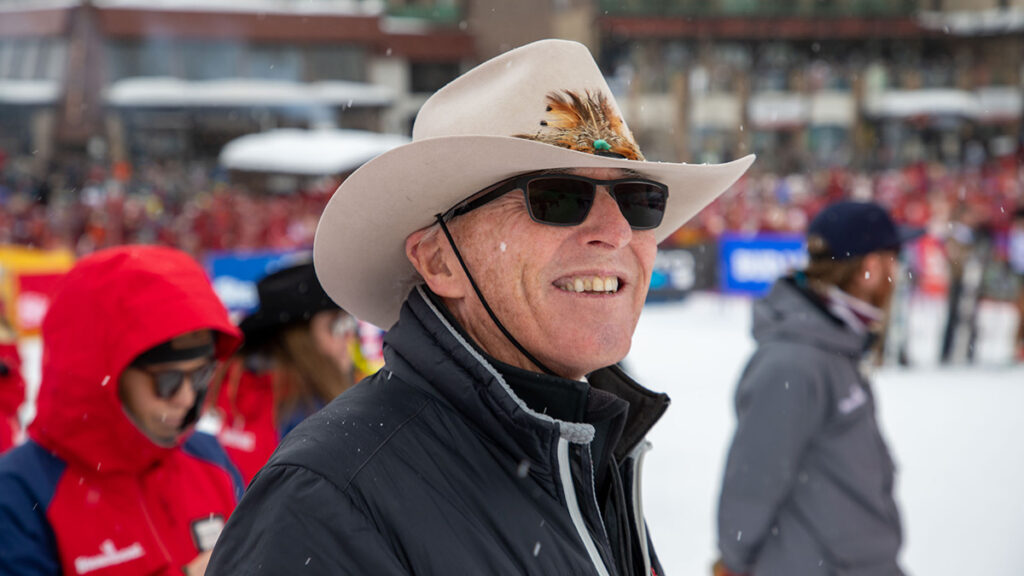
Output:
x=451 y=242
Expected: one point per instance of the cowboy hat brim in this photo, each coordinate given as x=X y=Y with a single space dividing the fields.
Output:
x=359 y=247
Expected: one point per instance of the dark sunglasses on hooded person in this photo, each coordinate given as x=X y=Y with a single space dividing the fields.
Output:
x=161 y=363
x=167 y=382
x=559 y=199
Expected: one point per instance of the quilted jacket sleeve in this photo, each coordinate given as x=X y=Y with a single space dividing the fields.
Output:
x=294 y=521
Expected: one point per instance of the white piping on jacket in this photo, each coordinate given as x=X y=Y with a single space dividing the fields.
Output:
x=574 y=508
x=638 y=507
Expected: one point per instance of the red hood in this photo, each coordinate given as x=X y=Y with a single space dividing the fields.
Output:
x=112 y=306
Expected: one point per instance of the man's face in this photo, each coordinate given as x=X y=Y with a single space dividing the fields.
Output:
x=160 y=419
x=530 y=274
x=879 y=282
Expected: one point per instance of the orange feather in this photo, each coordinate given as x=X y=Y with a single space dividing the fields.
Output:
x=577 y=122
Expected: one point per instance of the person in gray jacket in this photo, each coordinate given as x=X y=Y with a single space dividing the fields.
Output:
x=808 y=484
x=508 y=248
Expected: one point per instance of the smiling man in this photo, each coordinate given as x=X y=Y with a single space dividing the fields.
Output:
x=509 y=249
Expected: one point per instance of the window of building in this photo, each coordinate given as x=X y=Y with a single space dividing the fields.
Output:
x=335 y=63
x=158 y=57
x=53 y=59
x=123 y=60
x=431 y=76
x=6 y=58
x=19 y=59
x=274 y=62
x=211 y=60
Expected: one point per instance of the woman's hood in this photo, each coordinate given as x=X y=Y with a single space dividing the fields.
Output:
x=112 y=306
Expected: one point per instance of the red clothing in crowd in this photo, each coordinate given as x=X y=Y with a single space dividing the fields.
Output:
x=243 y=418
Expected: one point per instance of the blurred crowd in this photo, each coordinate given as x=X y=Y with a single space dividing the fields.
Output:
x=923 y=195
x=194 y=208
x=199 y=209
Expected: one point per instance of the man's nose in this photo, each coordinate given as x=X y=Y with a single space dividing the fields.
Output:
x=605 y=223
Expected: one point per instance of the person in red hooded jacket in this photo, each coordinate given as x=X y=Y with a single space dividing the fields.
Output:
x=112 y=480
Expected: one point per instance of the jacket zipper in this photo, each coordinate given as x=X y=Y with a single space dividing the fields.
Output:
x=638 y=508
x=572 y=504
x=152 y=527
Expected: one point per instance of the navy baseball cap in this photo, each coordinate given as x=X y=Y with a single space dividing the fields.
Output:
x=852 y=229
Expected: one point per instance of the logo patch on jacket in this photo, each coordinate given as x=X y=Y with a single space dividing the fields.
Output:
x=243 y=440
x=856 y=398
x=206 y=531
x=109 y=556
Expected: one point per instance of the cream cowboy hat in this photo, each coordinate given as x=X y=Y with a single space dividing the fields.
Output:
x=525 y=110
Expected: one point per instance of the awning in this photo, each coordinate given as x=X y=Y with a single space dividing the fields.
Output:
x=320 y=7
x=777 y=109
x=716 y=110
x=999 y=103
x=926 y=102
x=306 y=152
x=40 y=92
x=243 y=92
x=985 y=22
x=833 y=108
x=992 y=103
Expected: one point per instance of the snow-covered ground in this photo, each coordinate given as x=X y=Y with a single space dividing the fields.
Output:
x=957 y=435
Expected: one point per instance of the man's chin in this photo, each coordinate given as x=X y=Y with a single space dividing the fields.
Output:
x=582 y=364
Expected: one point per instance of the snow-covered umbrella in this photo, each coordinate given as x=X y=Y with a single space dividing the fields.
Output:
x=306 y=152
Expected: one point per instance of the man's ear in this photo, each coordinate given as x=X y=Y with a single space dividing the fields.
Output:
x=432 y=257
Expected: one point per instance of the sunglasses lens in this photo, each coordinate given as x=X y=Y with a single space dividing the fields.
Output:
x=642 y=203
x=559 y=201
x=169 y=382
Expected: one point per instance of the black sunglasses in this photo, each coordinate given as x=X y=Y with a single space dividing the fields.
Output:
x=566 y=199
x=168 y=382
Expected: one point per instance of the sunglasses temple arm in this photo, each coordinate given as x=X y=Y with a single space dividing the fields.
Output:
x=487 y=307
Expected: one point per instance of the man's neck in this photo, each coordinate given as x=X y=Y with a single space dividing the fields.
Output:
x=482 y=331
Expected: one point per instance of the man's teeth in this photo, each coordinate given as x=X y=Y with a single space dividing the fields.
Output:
x=590 y=284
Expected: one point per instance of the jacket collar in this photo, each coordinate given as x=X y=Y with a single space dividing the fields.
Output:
x=795 y=313
x=473 y=384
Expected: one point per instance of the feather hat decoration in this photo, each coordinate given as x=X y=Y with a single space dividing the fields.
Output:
x=585 y=123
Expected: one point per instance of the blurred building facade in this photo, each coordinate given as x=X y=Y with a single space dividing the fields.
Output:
x=812 y=84
x=805 y=84
x=123 y=82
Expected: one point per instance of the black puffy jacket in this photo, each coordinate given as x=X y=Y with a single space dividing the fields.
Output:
x=435 y=466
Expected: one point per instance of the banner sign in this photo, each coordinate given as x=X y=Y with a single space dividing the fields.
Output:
x=750 y=264
x=28 y=279
x=678 y=271
x=235 y=274
x=32 y=299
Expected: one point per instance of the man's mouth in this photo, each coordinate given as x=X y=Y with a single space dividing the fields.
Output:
x=593 y=284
